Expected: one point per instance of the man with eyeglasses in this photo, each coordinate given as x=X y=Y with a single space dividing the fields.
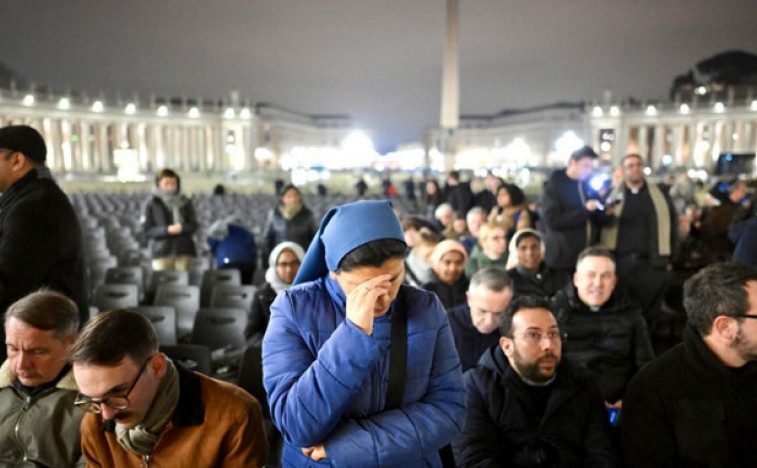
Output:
x=527 y=406
x=39 y=425
x=40 y=238
x=142 y=409
x=696 y=405
x=608 y=334
x=474 y=324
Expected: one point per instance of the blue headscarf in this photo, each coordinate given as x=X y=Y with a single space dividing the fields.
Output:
x=345 y=228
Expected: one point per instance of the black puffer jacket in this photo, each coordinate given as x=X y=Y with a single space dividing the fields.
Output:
x=503 y=428
x=545 y=283
x=40 y=244
x=688 y=409
x=612 y=343
x=300 y=229
x=156 y=217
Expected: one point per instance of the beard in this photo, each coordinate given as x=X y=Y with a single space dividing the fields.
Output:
x=532 y=371
x=746 y=348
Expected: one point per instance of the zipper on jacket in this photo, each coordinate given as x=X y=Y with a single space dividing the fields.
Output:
x=21 y=448
x=145 y=461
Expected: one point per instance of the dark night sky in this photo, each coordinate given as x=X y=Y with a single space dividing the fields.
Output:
x=377 y=60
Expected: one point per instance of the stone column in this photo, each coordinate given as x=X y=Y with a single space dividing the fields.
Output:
x=450 y=115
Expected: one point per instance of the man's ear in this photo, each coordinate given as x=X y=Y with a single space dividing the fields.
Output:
x=332 y=275
x=725 y=327
x=506 y=344
x=158 y=365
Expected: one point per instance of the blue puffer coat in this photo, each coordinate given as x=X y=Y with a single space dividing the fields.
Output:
x=326 y=380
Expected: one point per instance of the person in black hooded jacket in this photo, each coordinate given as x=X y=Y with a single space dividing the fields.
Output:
x=528 y=406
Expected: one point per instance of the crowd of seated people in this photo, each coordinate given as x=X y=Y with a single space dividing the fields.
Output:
x=521 y=328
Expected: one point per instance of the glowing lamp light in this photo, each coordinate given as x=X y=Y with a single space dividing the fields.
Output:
x=130 y=108
x=229 y=113
x=684 y=109
x=64 y=103
x=358 y=143
x=28 y=100
x=568 y=142
x=194 y=113
x=597 y=111
x=614 y=111
x=651 y=110
x=245 y=113
x=97 y=106
x=753 y=106
x=596 y=182
x=719 y=107
x=162 y=111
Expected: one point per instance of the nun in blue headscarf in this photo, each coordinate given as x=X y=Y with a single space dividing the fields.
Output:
x=326 y=354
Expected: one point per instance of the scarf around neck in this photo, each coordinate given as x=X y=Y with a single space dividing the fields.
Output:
x=173 y=201
x=141 y=439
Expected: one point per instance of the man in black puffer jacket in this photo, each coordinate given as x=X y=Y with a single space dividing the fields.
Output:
x=529 y=407
x=606 y=331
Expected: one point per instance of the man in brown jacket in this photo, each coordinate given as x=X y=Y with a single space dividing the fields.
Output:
x=142 y=409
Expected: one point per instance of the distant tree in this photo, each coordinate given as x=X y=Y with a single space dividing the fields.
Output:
x=733 y=67
x=730 y=68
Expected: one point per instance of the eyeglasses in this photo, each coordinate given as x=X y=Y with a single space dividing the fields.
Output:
x=117 y=402
x=292 y=264
x=535 y=338
x=743 y=316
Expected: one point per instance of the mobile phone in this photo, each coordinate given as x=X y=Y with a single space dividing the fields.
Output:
x=613 y=415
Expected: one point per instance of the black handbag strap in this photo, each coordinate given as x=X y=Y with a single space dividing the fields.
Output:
x=397 y=354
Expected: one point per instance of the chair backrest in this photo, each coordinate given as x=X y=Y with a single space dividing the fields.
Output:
x=251 y=376
x=115 y=296
x=190 y=356
x=126 y=275
x=229 y=295
x=211 y=278
x=220 y=327
x=185 y=299
x=160 y=277
x=163 y=318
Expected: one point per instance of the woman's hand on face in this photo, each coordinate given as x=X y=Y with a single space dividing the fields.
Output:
x=361 y=301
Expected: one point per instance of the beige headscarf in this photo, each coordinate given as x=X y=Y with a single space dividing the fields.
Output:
x=512 y=259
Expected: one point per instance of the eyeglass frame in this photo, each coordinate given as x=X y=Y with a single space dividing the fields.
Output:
x=556 y=336
x=94 y=405
x=753 y=316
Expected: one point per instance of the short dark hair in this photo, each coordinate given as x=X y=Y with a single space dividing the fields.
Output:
x=372 y=254
x=46 y=310
x=286 y=188
x=518 y=304
x=595 y=251
x=718 y=289
x=492 y=278
x=168 y=173
x=631 y=155
x=111 y=336
x=585 y=151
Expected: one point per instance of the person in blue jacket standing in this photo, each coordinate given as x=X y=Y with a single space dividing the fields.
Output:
x=328 y=348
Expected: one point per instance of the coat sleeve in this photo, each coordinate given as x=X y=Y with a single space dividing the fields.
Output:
x=22 y=270
x=247 y=445
x=152 y=227
x=558 y=215
x=647 y=436
x=599 y=447
x=402 y=436
x=190 y=224
x=479 y=444
x=309 y=391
